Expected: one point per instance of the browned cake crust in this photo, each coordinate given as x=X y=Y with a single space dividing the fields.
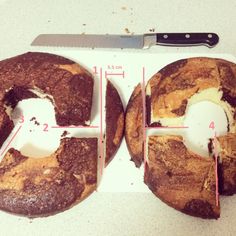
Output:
x=180 y=178
x=114 y=121
x=226 y=149
x=134 y=126
x=172 y=86
x=44 y=186
x=6 y=125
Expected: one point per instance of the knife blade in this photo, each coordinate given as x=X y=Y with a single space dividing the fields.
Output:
x=126 y=41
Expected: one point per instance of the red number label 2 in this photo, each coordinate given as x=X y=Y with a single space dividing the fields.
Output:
x=45 y=127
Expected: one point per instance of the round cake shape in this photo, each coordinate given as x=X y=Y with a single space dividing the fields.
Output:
x=44 y=186
x=168 y=94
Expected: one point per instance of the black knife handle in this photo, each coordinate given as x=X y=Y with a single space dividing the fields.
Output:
x=187 y=39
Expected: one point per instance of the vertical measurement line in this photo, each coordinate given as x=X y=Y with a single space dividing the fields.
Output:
x=144 y=115
x=11 y=140
x=215 y=153
x=101 y=124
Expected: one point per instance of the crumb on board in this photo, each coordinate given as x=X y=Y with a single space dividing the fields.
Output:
x=152 y=30
x=64 y=133
x=124 y=8
x=36 y=122
x=127 y=31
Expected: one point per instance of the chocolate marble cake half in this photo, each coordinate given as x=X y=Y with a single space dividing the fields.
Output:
x=189 y=81
x=114 y=121
x=44 y=186
x=68 y=85
x=181 y=178
x=134 y=126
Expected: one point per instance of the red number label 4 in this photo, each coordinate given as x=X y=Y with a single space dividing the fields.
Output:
x=212 y=125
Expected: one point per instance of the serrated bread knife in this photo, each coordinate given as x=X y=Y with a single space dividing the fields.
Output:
x=126 y=41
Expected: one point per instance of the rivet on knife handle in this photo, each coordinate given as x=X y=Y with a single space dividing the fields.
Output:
x=187 y=39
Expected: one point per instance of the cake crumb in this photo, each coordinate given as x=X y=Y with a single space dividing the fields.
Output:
x=152 y=30
x=36 y=123
x=127 y=30
x=64 y=133
x=124 y=8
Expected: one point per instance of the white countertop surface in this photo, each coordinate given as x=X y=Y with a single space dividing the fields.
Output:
x=119 y=214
